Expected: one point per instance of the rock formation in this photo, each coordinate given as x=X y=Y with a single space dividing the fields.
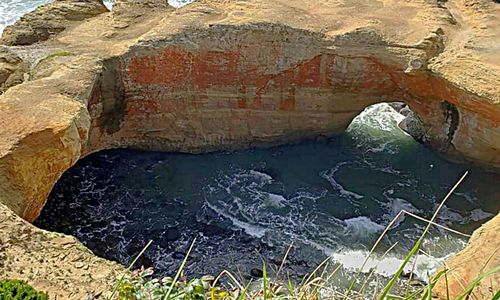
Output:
x=480 y=255
x=229 y=74
x=51 y=261
x=12 y=69
x=49 y=20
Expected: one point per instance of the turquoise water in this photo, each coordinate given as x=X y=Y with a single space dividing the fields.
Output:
x=331 y=198
x=11 y=10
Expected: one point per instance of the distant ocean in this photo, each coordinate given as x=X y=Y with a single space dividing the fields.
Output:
x=12 y=10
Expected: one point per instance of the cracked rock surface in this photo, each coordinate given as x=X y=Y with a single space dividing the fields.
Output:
x=220 y=74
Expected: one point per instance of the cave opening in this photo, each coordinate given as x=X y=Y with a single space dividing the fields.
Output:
x=329 y=197
x=452 y=119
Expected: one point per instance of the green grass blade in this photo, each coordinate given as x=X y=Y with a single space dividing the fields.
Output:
x=415 y=248
x=398 y=273
x=290 y=287
x=429 y=292
x=497 y=296
x=245 y=291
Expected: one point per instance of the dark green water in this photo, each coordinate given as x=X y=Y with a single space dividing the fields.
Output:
x=330 y=198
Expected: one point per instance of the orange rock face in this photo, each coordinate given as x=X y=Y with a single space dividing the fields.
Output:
x=230 y=74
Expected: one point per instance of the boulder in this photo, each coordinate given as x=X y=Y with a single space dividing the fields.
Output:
x=412 y=124
x=49 y=20
x=12 y=69
x=480 y=256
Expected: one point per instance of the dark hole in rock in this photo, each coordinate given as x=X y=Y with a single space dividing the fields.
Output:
x=330 y=198
x=452 y=119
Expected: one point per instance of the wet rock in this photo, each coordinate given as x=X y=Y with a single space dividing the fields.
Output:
x=164 y=244
x=178 y=255
x=112 y=241
x=172 y=234
x=405 y=111
x=256 y=273
x=413 y=126
x=212 y=230
x=133 y=249
x=245 y=238
x=145 y=262
x=397 y=106
x=417 y=283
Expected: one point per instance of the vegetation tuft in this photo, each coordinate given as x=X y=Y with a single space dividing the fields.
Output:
x=274 y=285
x=314 y=286
x=19 y=290
x=50 y=56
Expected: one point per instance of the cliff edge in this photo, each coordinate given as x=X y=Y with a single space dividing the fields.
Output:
x=223 y=74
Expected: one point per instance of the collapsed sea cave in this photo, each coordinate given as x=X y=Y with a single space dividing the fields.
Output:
x=329 y=197
x=251 y=106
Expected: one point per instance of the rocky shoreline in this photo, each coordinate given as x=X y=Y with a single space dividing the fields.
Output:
x=231 y=74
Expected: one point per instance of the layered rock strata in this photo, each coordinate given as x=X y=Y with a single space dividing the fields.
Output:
x=230 y=74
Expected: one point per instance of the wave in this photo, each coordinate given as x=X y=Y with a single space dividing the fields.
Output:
x=260 y=175
x=394 y=206
x=478 y=214
x=250 y=229
x=378 y=116
x=362 y=227
x=376 y=129
x=352 y=260
x=329 y=176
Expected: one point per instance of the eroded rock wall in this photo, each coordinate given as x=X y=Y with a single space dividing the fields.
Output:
x=266 y=84
x=49 y=20
x=239 y=87
x=52 y=262
x=229 y=74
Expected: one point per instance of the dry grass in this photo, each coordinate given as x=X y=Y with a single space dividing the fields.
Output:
x=277 y=286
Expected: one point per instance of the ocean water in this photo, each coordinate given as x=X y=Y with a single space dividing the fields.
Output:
x=330 y=198
x=12 y=10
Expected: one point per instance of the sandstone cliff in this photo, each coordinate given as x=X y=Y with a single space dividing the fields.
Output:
x=12 y=69
x=49 y=20
x=227 y=74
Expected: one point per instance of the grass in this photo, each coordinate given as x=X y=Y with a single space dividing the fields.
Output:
x=52 y=55
x=314 y=286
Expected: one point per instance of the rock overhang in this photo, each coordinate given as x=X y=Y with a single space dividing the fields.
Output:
x=225 y=74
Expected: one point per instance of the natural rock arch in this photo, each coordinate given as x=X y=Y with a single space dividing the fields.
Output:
x=267 y=84
x=227 y=74
x=229 y=86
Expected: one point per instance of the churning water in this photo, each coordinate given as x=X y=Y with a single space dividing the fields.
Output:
x=330 y=198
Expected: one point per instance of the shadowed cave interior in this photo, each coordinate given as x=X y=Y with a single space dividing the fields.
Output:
x=330 y=197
